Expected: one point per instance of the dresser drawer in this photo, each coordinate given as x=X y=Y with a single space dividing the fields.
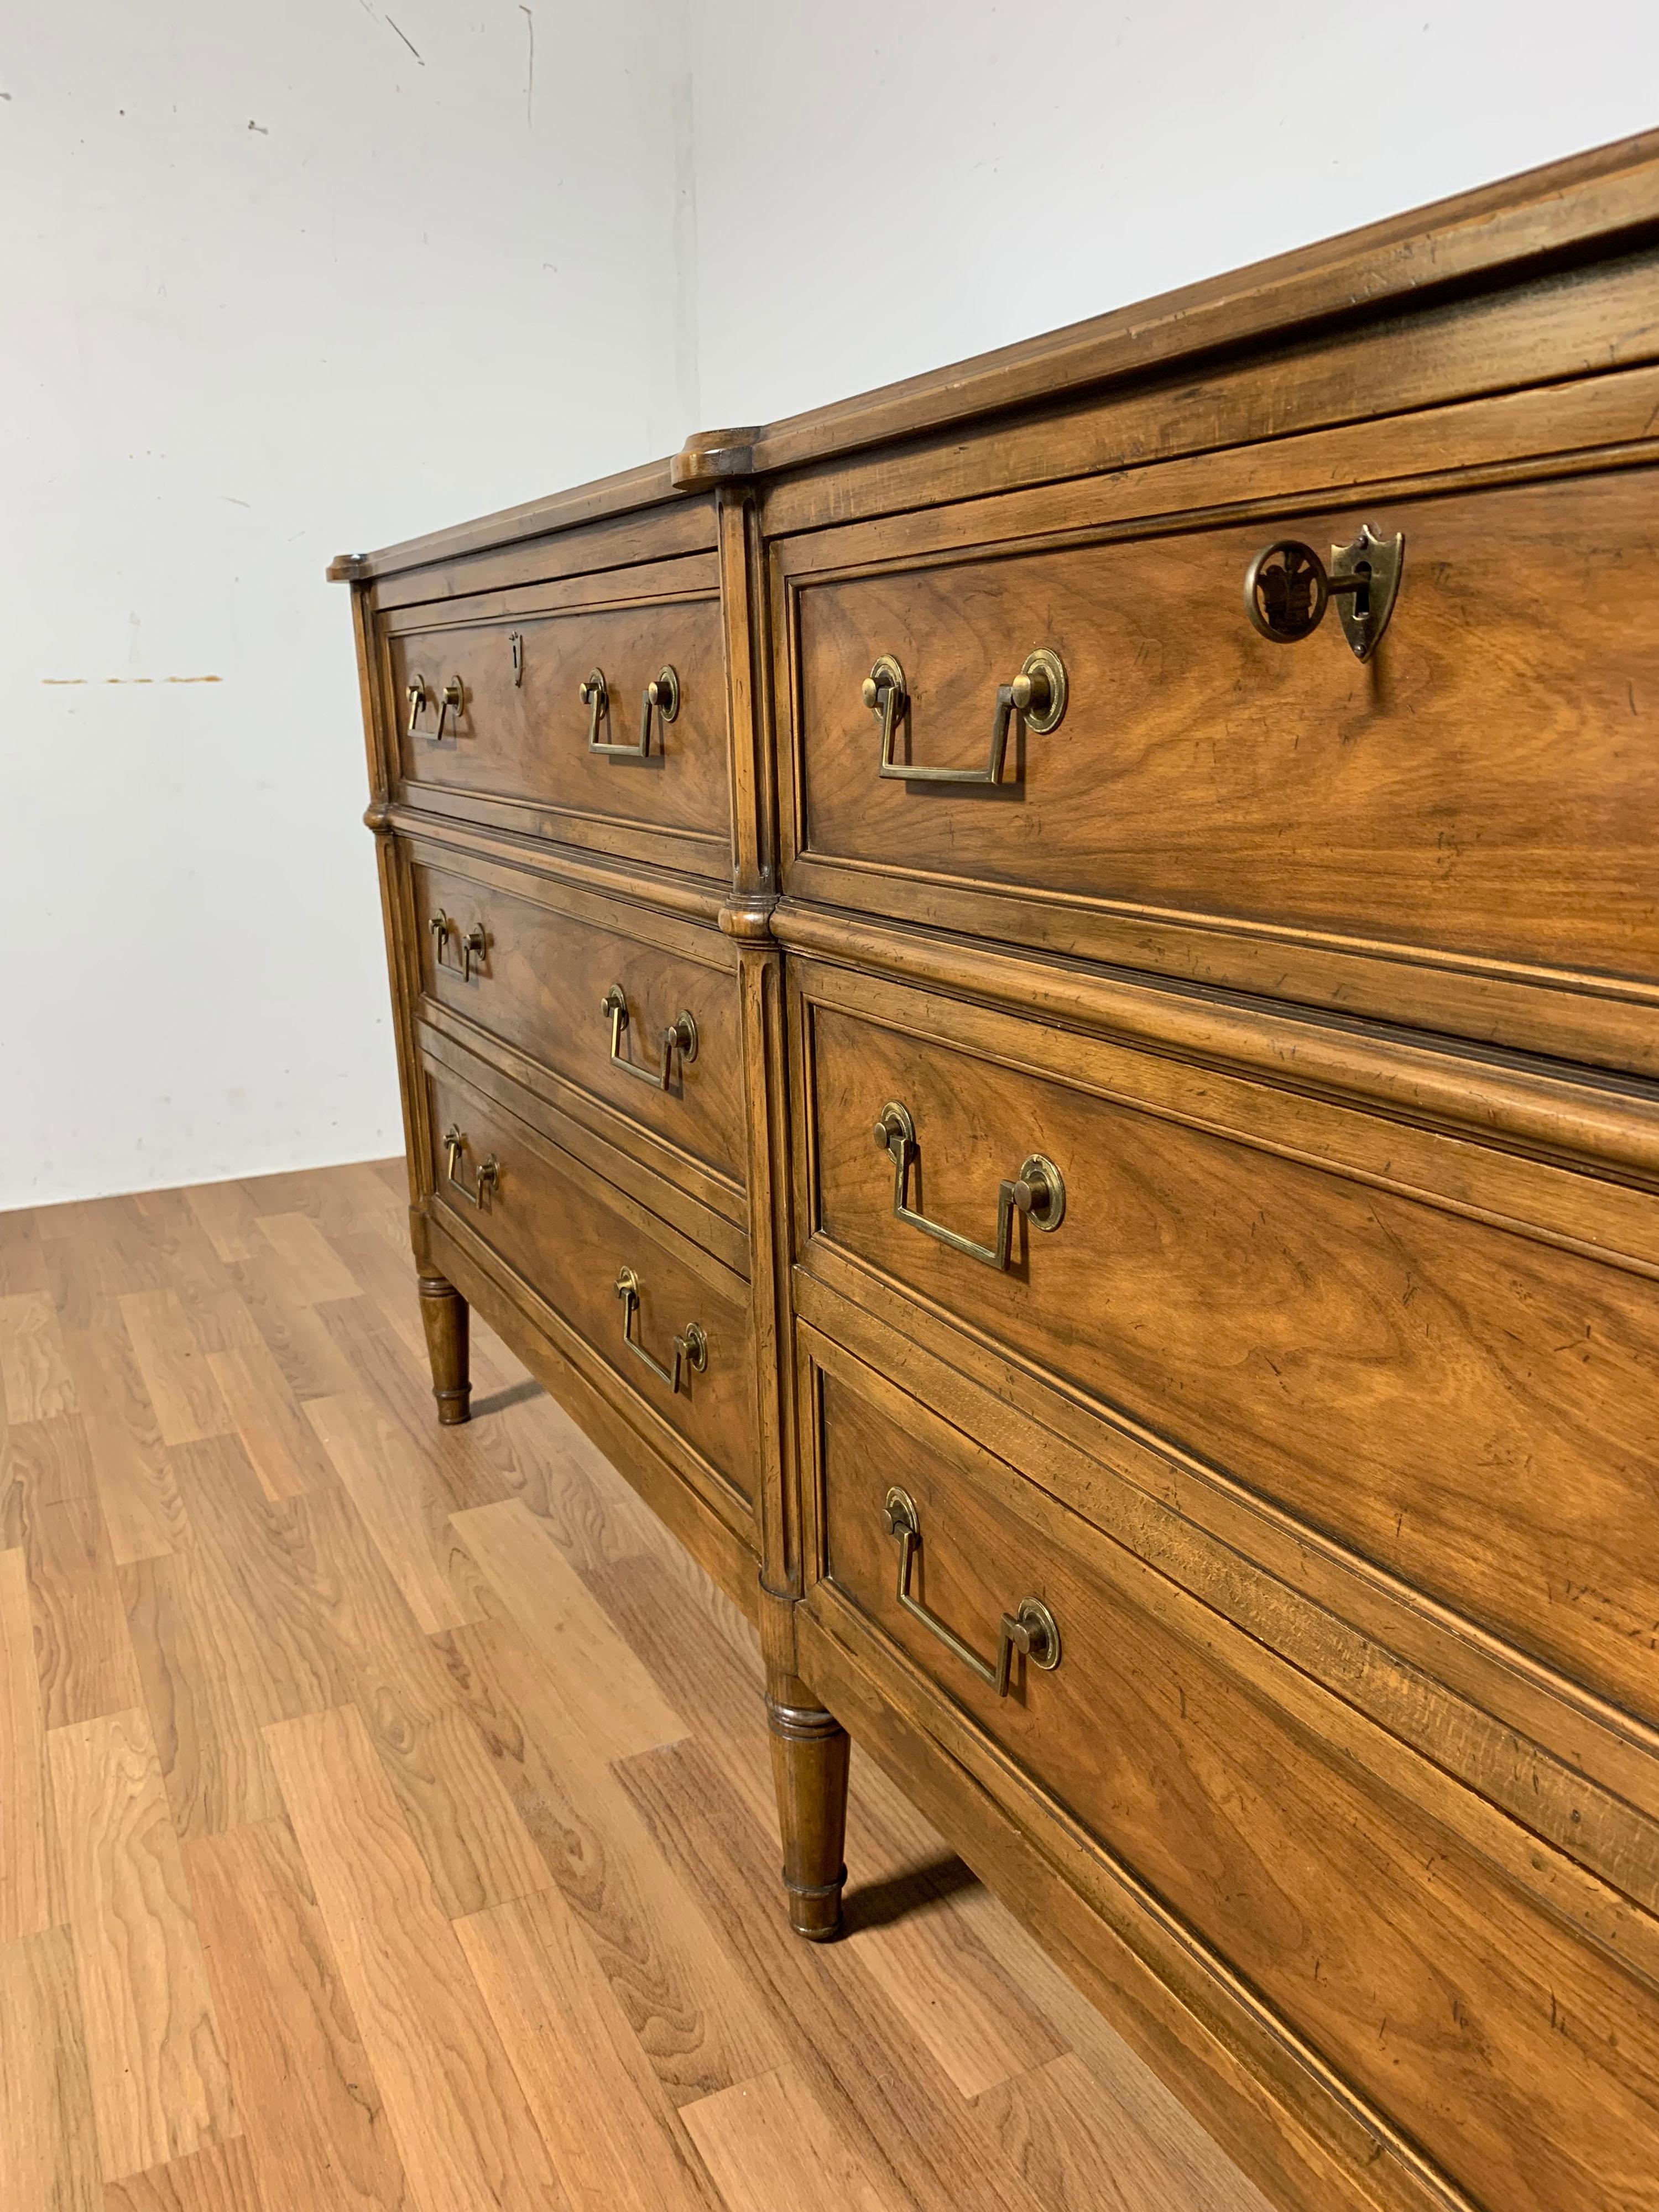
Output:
x=504 y=705
x=678 y=1342
x=1483 y=790
x=595 y=990
x=1339 y=1876
x=1324 y=1309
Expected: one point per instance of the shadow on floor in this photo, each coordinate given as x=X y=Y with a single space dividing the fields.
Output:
x=515 y=1394
x=878 y=1903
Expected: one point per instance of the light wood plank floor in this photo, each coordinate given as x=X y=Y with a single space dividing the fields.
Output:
x=384 y=1811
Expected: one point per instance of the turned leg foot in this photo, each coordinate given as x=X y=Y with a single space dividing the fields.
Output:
x=810 y=1750
x=444 y=1310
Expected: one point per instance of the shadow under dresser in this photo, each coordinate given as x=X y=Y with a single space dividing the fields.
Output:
x=1033 y=996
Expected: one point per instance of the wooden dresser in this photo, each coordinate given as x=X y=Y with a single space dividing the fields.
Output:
x=1089 y=1136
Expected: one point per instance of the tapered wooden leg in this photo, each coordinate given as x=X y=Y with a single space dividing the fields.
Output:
x=810 y=1750
x=444 y=1311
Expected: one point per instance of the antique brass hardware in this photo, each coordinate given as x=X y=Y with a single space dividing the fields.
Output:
x=451 y=700
x=1287 y=589
x=488 y=1173
x=1032 y=1631
x=418 y=697
x=1038 y=1192
x=680 y=1036
x=1037 y=695
x=662 y=695
x=472 y=946
x=595 y=696
x=515 y=646
x=691 y=1346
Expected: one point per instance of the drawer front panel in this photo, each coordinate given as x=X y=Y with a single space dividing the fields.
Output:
x=570 y=1235
x=1524 y=2062
x=541 y=982
x=524 y=734
x=1469 y=1407
x=1488 y=783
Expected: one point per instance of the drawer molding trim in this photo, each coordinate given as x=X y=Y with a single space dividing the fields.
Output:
x=1399 y=1662
x=1494 y=1099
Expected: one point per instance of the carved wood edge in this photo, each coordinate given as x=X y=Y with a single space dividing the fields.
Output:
x=712 y=457
x=1611 y=1124
x=749 y=920
x=1546 y=216
x=662 y=888
x=630 y=491
x=1553 y=215
x=346 y=569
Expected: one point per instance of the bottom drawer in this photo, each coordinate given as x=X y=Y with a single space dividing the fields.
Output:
x=1494 y=2036
x=671 y=1322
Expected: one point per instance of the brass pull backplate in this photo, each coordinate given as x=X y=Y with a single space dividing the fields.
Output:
x=680 y=1036
x=1287 y=589
x=1038 y=1191
x=1036 y=695
x=1030 y=1631
x=661 y=697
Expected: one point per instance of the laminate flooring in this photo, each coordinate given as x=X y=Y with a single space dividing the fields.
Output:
x=386 y=1812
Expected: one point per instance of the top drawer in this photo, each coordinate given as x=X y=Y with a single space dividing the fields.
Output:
x=1459 y=831
x=590 y=710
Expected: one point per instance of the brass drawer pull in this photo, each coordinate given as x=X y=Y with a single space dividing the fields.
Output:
x=451 y=700
x=488 y=1174
x=1287 y=589
x=680 y=1036
x=1037 y=695
x=1032 y=1631
x=661 y=697
x=419 y=696
x=473 y=945
x=1038 y=1191
x=691 y=1346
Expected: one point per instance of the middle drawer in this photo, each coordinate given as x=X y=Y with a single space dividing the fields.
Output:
x=635 y=1009
x=1386 y=1334
x=669 y=1322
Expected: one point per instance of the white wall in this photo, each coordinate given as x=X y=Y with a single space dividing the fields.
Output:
x=273 y=286
x=923 y=179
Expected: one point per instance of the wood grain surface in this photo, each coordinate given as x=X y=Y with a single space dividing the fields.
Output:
x=547 y=965
x=531 y=741
x=327 y=1877
x=160 y=2087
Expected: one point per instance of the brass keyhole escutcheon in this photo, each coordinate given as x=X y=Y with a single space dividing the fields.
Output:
x=1287 y=589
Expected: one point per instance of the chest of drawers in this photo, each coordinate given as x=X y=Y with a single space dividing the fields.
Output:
x=1035 y=996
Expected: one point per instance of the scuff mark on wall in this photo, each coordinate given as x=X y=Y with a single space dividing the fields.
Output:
x=409 y=42
x=132 y=679
x=529 y=14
